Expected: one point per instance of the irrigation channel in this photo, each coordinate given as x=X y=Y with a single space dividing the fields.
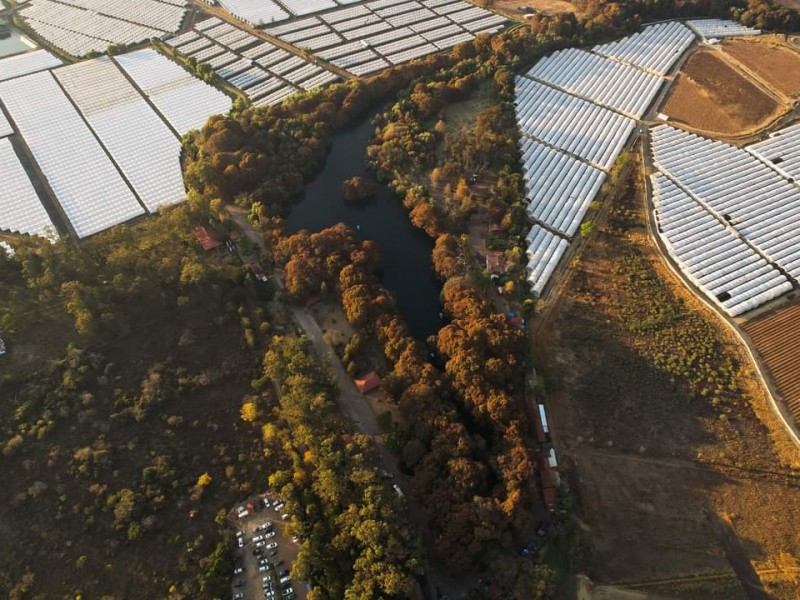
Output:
x=406 y=250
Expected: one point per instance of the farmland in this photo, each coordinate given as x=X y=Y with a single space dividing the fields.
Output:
x=710 y=96
x=777 y=337
x=771 y=60
x=666 y=472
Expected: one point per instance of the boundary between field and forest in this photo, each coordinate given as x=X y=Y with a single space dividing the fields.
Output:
x=777 y=406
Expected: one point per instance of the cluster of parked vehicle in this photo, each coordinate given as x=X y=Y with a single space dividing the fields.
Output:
x=276 y=582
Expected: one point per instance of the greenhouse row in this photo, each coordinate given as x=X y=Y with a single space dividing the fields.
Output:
x=545 y=250
x=20 y=208
x=717 y=28
x=711 y=254
x=655 y=48
x=736 y=187
x=582 y=128
x=143 y=147
x=75 y=29
x=86 y=183
x=624 y=88
x=781 y=150
x=558 y=188
x=27 y=63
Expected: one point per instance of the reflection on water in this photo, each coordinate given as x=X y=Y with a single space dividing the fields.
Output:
x=406 y=250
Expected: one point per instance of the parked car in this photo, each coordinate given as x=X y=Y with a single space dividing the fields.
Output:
x=285 y=516
x=269 y=534
x=238 y=596
x=262 y=568
x=258 y=538
x=266 y=578
x=261 y=544
x=238 y=570
x=266 y=503
x=240 y=533
x=272 y=545
x=240 y=542
x=283 y=580
x=398 y=491
x=278 y=506
x=295 y=539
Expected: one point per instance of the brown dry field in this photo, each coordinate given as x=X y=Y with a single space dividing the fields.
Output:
x=657 y=472
x=777 y=339
x=773 y=61
x=790 y=4
x=711 y=97
x=550 y=7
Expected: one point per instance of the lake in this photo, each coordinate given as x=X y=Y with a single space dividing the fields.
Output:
x=406 y=250
x=14 y=44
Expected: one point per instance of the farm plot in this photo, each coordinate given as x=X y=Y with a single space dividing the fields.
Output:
x=710 y=96
x=263 y=72
x=369 y=37
x=79 y=27
x=653 y=459
x=777 y=339
x=774 y=62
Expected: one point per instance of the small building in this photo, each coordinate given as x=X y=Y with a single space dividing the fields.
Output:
x=368 y=382
x=206 y=237
x=495 y=262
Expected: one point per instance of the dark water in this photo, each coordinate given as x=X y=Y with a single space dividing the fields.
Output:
x=406 y=250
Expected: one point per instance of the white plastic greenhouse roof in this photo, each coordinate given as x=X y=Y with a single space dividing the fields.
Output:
x=730 y=272
x=27 y=63
x=782 y=150
x=184 y=101
x=85 y=182
x=559 y=188
x=577 y=126
x=5 y=126
x=717 y=28
x=545 y=250
x=738 y=188
x=655 y=48
x=20 y=208
x=82 y=26
x=619 y=86
x=139 y=141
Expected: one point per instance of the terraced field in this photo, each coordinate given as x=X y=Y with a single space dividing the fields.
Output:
x=777 y=338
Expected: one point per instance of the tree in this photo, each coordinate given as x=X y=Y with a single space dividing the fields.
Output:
x=249 y=412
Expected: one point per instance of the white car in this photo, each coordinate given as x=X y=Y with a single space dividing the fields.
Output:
x=269 y=534
x=285 y=579
x=278 y=507
x=238 y=571
x=258 y=538
x=272 y=546
x=266 y=578
x=262 y=568
x=261 y=544
x=285 y=516
x=241 y=542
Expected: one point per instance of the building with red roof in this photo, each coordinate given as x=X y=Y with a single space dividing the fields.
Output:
x=368 y=382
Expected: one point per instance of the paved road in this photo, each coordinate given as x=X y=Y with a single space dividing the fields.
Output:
x=352 y=403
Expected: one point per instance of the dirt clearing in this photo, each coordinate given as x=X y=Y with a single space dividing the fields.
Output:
x=712 y=97
x=515 y=8
x=655 y=413
x=770 y=59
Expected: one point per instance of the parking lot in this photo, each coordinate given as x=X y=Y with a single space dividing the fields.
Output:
x=265 y=552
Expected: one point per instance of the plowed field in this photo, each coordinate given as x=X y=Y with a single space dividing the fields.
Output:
x=712 y=97
x=775 y=63
x=777 y=338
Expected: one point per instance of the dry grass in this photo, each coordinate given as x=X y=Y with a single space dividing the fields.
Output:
x=711 y=97
x=654 y=463
x=771 y=60
x=550 y=7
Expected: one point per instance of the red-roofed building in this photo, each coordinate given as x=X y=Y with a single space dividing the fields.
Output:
x=368 y=383
x=206 y=237
x=495 y=262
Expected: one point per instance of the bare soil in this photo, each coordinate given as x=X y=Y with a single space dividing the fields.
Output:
x=770 y=59
x=710 y=96
x=777 y=338
x=656 y=468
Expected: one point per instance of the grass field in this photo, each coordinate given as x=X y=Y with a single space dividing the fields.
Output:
x=679 y=465
x=711 y=97
x=770 y=59
x=550 y=7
